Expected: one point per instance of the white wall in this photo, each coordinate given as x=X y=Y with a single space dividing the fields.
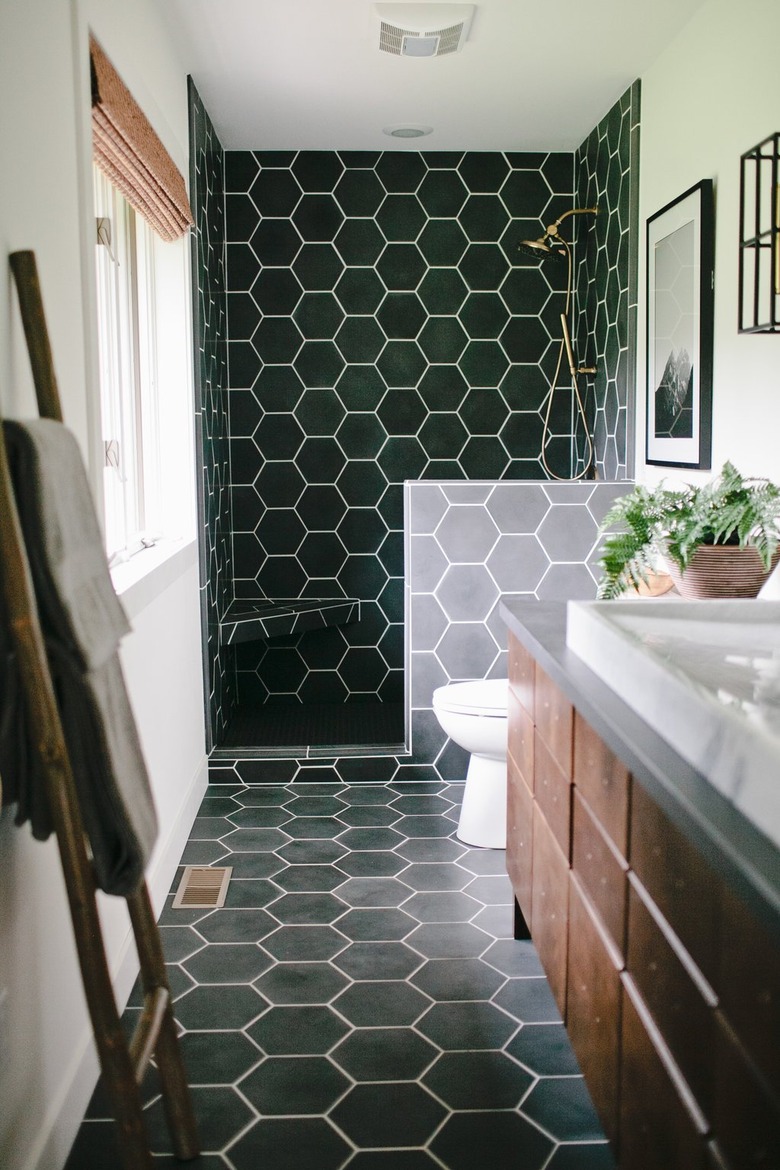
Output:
x=711 y=96
x=47 y=1067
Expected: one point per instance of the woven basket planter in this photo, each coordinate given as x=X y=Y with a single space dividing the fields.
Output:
x=721 y=570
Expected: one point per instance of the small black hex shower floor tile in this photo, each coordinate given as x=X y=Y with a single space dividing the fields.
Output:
x=360 y=1003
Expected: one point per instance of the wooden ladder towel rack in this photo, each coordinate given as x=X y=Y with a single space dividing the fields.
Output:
x=122 y=1063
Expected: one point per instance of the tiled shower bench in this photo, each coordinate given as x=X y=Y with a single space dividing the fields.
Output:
x=249 y=621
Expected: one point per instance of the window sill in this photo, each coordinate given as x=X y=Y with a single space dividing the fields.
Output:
x=146 y=575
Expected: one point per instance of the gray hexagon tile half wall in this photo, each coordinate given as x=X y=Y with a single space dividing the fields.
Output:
x=469 y=544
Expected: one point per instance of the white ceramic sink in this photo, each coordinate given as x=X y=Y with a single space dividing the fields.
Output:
x=706 y=676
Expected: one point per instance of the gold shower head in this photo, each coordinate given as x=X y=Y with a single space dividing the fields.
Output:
x=539 y=249
x=551 y=244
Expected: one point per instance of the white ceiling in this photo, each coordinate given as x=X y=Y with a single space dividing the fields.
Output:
x=306 y=74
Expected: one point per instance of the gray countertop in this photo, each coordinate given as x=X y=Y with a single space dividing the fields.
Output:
x=734 y=847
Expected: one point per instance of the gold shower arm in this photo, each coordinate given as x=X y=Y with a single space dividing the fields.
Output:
x=552 y=230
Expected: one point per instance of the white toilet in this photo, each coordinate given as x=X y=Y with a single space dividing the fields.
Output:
x=474 y=715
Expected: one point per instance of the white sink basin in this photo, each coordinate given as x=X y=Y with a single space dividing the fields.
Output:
x=706 y=676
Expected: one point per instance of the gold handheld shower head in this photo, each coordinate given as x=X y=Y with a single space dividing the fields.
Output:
x=550 y=245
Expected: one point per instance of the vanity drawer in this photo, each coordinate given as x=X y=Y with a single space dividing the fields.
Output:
x=748 y=986
x=745 y=1119
x=682 y=1009
x=593 y=1006
x=520 y=739
x=678 y=880
x=550 y=907
x=604 y=782
x=519 y=839
x=553 y=794
x=554 y=718
x=522 y=673
x=600 y=869
x=659 y=1128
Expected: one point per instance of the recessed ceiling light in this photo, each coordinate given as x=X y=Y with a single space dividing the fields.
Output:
x=407 y=131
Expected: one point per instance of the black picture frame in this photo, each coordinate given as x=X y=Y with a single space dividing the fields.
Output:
x=680 y=301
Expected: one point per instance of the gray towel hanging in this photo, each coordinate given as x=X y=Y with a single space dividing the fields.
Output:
x=82 y=622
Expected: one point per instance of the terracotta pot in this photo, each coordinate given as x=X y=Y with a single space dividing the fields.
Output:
x=721 y=570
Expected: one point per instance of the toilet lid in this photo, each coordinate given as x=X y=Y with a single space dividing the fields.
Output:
x=487 y=696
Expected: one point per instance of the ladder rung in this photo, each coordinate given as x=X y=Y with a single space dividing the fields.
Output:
x=148 y=1029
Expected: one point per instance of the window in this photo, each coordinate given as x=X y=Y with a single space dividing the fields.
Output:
x=143 y=321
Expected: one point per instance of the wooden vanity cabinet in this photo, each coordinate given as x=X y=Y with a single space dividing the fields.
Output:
x=601 y=870
x=603 y=782
x=659 y=1129
x=593 y=1005
x=679 y=883
x=550 y=906
x=668 y=984
x=520 y=807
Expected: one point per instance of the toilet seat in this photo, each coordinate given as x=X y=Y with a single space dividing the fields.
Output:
x=485 y=697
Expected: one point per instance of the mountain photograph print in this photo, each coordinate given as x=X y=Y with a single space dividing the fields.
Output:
x=680 y=245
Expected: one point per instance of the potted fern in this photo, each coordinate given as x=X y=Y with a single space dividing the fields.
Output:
x=718 y=539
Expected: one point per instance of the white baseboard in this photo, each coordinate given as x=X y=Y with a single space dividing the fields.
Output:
x=60 y=1126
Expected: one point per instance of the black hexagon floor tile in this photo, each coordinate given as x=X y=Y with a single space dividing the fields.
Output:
x=383 y=1054
x=302 y=1085
x=218 y=1058
x=463 y=1139
x=376 y=925
x=469 y=1026
x=457 y=979
x=389 y=1114
x=563 y=1108
x=221 y=1114
x=449 y=940
x=255 y=865
x=359 y=1003
x=288 y=983
x=291 y=943
x=290 y=1144
x=544 y=1049
x=393 y=1160
x=392 y=1002
x=363 y=960
x=432 y=875
x=227 y=963
x=250 y=892
x=308 y=878
x=259 y=817
x=373 y=891
x=478 y=1080
x=372 y=863
x=234 y=1005
x=287 y=1031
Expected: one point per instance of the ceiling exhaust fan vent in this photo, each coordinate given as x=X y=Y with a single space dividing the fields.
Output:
x=423 y=30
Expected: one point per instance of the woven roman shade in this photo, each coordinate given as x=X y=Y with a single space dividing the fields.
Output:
x=129 y=152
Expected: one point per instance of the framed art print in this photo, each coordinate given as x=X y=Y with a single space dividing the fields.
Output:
x=680 y=281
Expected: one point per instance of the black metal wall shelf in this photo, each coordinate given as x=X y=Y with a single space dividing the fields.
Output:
x=759 y=247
